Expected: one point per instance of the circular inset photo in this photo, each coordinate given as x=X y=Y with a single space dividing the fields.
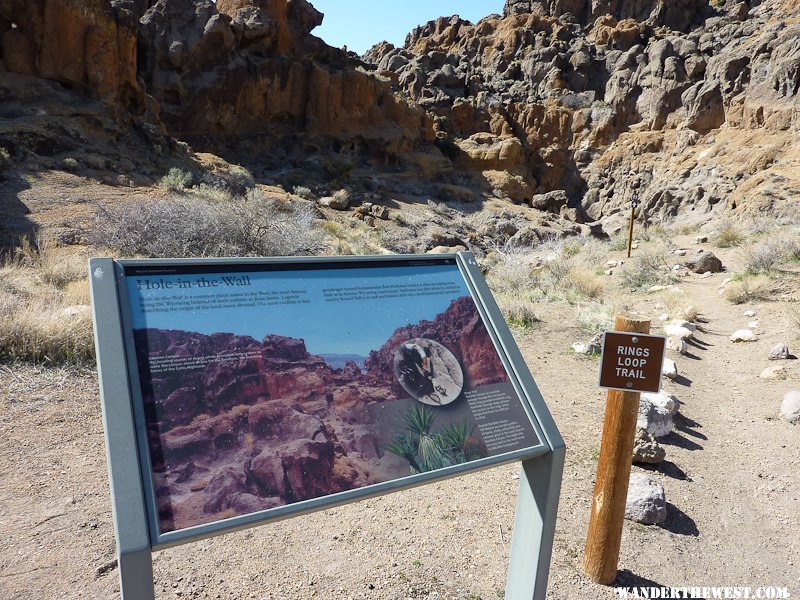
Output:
x=428 y=371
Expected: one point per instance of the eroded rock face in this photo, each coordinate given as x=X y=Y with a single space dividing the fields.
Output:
x=612 y=99
x=87 y=43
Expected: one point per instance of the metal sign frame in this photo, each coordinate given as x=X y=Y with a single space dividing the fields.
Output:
x=134 y=515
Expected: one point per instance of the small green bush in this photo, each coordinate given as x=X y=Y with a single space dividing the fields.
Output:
x=70 y=164
x=176 y=180
x=302 y=191
x=729 y=236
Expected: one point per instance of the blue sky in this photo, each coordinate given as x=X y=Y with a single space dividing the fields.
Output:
x=352 y=327
x=359 y=25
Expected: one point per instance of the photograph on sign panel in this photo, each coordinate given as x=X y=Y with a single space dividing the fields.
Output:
x=268 y=388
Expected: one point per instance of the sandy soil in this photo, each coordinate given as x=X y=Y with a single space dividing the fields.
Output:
x=732 y=480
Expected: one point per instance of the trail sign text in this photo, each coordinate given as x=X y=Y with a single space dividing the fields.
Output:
x=632 y=362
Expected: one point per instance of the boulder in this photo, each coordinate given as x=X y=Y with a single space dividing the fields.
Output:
x=669 y=369
x=663 y=400
x=656 y=419
x=705 y=262
x=677 y=344
x=550 y=202
x=778 y=352
x=678 y=331
x=743 y=335
x=646 y=449
x=646 y=503
x=790 y=407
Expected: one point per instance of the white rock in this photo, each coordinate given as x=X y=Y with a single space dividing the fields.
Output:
x=790 y=407
x=753 y=324
x=677 y=344
x=590 y=347
x=677 y=267
x=611 y=263
x=778 y=352
x=669 y=369
x=654 y=418
x=706 y=275
x=658 y=288
x=663 y=317
x=663 y=400
x=684 y=323
x=743 y=335
x=609 y=272
x=726 y=281
x=775 y=372
x=680 y=252
x=646 y=502
x=672 y=330
x=749 y=313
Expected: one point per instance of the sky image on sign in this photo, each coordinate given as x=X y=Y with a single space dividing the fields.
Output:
x=632 y=361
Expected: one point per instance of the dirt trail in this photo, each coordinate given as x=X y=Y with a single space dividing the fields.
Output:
x=732 y=480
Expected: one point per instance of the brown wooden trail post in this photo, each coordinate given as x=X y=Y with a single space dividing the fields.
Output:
x=613 y=474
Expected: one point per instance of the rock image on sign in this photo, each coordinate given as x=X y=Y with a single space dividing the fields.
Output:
x=291 y=387
x=428 y=371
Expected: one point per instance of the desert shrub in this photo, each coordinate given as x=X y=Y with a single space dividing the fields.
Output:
x=595 y=317
x=176 y=180
x=510 y=268
x=584 y=282
x=729 y=235
x=302 y=191
x=5 y=158
x=619 y=242
x=236 y=180
x=70 y=164
x=646 y=268
x=253 y=226
x=763 y=257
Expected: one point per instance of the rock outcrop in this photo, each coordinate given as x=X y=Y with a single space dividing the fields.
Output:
x=89 y=44
x=607 y=100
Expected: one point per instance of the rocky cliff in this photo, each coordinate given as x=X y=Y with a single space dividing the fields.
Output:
x=690 y=106
x=568 y=105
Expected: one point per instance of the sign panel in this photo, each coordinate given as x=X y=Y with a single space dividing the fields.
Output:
x=632 y=361
x=263 y=387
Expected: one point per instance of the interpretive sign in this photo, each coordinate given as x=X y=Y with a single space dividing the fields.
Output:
x=259 y=389
x=632 y=362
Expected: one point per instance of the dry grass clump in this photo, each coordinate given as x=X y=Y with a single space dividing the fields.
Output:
x=518 y=309
x=44 y=307
x=595 y=317
x=197 y=227
x=176 y=180
x=648 y=267
x=352 y=238
x=771 y=254
x=748 y=289
x=729 y=235
x=677 y=305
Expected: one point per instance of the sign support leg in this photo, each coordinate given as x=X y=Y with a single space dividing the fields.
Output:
x=534 y=526
x=136 y=575
x=613 y=475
